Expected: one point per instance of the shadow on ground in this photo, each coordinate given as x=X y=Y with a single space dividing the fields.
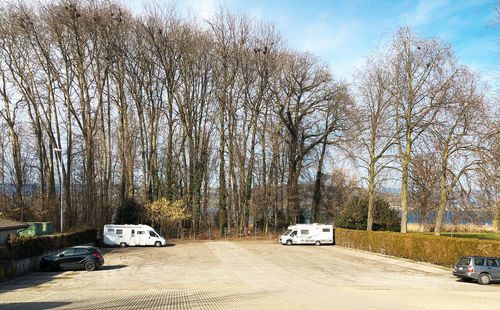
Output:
x=33 y=305
x=111 y=267
x=493 y=282
x=31 y=280
x=109 y=249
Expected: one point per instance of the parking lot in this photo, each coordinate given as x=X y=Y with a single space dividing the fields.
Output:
x=248 y=275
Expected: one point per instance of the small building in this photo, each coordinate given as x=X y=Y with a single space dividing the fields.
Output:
x=37 y=229
x=8 y=227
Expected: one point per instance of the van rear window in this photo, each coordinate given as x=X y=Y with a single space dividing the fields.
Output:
x=463 y=261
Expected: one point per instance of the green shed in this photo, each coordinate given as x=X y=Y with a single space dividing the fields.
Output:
x=37 y=229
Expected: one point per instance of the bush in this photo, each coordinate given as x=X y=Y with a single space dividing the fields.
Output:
x=29 y=246
x=433 y=249
x=355 y=215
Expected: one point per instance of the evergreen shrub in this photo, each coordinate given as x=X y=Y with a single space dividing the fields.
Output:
x=355 y=215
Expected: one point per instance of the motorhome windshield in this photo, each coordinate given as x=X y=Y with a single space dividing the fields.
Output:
x=287 y=232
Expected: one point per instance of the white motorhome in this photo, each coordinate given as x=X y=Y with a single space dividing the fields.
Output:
x=131 y=235
x=317 y=234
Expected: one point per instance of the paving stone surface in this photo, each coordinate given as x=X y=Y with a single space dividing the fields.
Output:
x=248 y=275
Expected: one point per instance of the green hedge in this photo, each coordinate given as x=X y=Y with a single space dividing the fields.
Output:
x=29 y=246
x=433 y=249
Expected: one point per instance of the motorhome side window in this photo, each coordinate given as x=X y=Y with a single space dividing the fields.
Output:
x=326 y=229
x=152 y=234
x=111 y=230
x=119 y=231
x=304 y=232
x=140 y=232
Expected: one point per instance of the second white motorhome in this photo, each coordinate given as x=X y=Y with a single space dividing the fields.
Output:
x=131 y=235
x=317 y=234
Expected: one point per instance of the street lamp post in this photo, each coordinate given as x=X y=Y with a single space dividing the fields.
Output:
x=60 y=185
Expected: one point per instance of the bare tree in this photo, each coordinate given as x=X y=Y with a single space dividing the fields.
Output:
x=458 y=130
x=488 y=174
x=306 y=93
x=423 y=183
x=375 y=133
x=11 y=101
x=421 y=72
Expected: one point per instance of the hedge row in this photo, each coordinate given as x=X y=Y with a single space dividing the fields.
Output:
x=29 y=246
x=433 y=249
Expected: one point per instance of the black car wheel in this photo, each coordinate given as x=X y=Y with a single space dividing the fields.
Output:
x=289 y=242
x=123 y=244
x=484 y=279
x=90 y=265
x=158 y=243
x=318 y=243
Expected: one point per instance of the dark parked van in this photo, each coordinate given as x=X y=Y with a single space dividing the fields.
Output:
x=479 y=268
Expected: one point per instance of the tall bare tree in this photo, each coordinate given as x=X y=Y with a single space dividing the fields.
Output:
x=421 y=72
x=375 y=132
x=458 y=130
x=306 y=93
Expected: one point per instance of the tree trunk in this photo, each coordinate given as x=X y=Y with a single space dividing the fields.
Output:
x=2 y=172
x=16 y=156
x=423 y=213
x=249 y=177
x=443 y=196
x=169 y=169
x=316 y=200
x=496 y=221
x=293 y=192
x=371 y=196
x=404 y=183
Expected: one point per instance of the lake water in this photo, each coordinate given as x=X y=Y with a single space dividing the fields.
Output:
x=454 y=217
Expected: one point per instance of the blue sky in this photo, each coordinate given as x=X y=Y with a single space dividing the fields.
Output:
x=343 y=33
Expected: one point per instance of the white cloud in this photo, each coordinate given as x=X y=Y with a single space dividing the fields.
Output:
x=203 y=9
x=425 y=12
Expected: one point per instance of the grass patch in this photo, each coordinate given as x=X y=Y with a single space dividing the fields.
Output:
x=472 y=235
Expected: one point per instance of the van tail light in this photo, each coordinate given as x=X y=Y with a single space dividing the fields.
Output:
x=97 y=256
x=454 y=268
x=471 y=269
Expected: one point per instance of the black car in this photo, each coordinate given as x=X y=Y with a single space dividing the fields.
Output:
x=77 y=257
